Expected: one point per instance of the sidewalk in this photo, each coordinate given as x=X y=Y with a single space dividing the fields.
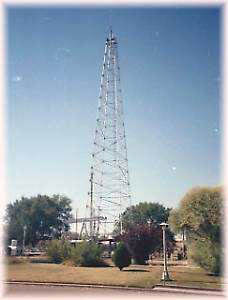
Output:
x=159 y=288
x=187 y=290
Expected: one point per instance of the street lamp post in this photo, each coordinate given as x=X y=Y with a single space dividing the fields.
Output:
x=23 y=244
x=165 y=274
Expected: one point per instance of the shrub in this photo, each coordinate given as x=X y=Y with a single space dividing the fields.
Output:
x=66 y=250
x=207 y=255
x=121 y=256
x=54 y=251
x=87 y=254
x=58 y=251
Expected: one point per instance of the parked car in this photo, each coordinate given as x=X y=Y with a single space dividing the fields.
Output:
x=33 y=252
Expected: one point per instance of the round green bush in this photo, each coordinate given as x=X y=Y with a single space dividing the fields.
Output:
x=87 y=254
x=58 y=251
x=121 y=256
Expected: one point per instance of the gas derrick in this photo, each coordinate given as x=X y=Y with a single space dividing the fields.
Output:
x=109 y=177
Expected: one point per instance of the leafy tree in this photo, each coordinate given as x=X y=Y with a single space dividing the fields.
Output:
x=141 y=231
x=42 y=215
x=144 y=239
x=175 y=222
x=121 y=256
x=200 y=215
x=143 y=213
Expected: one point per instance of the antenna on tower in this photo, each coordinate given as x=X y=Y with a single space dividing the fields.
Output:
x=110 y=23
x=110 y=20
x=111 y=35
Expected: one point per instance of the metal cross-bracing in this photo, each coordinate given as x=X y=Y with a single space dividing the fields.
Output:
x=109 y=176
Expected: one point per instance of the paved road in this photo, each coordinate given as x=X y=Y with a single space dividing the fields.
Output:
x=21 y=291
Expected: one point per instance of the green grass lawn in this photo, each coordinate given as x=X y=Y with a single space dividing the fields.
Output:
x=133 y=276
x=194 y=277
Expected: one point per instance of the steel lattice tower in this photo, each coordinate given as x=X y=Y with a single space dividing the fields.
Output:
x=109 y=177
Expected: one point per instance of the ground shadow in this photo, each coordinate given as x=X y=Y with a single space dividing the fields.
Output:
x=213 y=274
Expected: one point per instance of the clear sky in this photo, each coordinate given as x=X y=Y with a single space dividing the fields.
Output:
x=170 y=77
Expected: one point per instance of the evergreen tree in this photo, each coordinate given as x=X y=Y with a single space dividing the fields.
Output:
x=121 y=256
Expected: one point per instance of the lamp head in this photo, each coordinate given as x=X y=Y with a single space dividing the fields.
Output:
x=164 y=225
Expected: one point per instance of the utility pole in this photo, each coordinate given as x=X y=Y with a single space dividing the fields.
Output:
x=91 y=204
x=76 y=222
x=23 y=244
x=121 y=224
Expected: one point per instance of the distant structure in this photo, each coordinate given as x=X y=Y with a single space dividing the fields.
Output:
x=109 y=193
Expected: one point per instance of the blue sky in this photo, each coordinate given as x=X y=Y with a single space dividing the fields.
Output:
x=170 y=77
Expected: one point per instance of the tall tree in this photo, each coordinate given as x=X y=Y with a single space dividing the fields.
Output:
x=200 y=214
x=141 y=231
x=143 y=213
x=144 y=239
x=41 y=215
